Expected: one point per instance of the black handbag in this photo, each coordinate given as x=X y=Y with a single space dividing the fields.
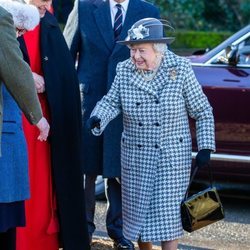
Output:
x=202 y=208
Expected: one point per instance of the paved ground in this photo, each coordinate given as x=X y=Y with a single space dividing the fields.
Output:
x=233 y=233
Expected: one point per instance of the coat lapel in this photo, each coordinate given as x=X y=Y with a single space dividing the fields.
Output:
x=103 y=22
x=47 y=22
x=167 y=74
x=138 y=80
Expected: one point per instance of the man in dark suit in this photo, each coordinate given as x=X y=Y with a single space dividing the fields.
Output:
x=92 y=31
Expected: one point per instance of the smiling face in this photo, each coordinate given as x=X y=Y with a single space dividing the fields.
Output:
x=42 y=5
x=144 y=56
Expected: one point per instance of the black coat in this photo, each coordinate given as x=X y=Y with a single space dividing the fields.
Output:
x=92 y=36
x=63 y=96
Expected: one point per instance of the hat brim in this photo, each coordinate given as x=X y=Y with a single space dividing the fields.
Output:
x=166 y=40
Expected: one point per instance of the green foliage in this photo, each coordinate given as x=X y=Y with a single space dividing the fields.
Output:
x=198 y=39
x=206 y=15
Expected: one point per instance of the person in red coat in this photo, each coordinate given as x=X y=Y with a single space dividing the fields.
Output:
x=57 y=196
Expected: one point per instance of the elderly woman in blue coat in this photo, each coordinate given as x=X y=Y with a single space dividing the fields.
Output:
x=14 y=183
x=156 y=91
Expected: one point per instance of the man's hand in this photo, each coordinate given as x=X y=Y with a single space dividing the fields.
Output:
x=93 y=122
x=203 y=157
x=44 y=128
x=39 y=82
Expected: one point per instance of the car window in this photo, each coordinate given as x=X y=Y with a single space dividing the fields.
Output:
x=242 y=50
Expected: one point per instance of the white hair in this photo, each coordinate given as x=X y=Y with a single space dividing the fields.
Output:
x=160 y=47
x=24 y=16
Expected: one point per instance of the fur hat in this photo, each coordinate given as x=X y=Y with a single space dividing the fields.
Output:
x=24 y=16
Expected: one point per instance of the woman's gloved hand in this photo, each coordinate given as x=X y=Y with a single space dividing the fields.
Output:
x=203 y=157
x=93 y=122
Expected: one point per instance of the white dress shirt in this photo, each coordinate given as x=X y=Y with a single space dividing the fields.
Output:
x=113 y=10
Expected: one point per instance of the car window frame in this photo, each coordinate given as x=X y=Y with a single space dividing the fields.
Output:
x=211 y=61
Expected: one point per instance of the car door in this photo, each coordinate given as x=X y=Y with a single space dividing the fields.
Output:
x=228 y=90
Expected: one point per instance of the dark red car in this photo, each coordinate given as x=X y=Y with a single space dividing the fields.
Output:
x=224 y=73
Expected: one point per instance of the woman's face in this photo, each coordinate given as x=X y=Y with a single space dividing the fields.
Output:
x=42 y=5
x=144 y=56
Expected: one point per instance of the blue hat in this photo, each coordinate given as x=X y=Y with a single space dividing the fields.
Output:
x=147 y=30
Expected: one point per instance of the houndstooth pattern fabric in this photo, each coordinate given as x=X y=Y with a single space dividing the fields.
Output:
x=156 y=143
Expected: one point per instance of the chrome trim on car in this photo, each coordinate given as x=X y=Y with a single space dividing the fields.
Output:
x=210 y=65
x=226 y=157
x=219 y=65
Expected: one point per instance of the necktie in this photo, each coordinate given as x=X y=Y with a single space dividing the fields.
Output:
x=118 y=21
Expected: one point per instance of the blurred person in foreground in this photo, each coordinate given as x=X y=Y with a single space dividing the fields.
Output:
x=14 y=184
x=91 y=32
x=56 y=209
x=156 y=91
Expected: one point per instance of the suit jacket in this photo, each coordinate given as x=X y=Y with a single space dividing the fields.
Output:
x=62 y=91
x=15 y=73
x=156 y=143
x=89 y=31
x=14 y=181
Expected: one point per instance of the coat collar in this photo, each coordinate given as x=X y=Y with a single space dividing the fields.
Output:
x=49 y=19
x=166 y=74
x=47 y=22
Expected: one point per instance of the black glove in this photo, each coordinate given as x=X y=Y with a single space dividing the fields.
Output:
x=93 y=122
x=203 y=157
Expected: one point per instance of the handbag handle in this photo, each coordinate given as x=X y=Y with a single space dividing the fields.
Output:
x=194 y=174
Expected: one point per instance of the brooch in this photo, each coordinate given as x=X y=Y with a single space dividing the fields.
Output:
x=173 y=74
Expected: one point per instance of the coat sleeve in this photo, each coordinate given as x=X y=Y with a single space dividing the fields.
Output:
x=15 y=73
x=110 y=105
x=71 y=31
x=199 y=109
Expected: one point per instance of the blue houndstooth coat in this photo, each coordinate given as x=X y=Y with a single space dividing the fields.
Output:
x=156 y=143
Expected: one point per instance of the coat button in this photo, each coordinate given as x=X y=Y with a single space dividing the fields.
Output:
x=140 y=124
x=181 y=139
x=156 y=146
x=157 y=124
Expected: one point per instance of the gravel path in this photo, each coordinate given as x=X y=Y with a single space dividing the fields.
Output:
x=233 y=233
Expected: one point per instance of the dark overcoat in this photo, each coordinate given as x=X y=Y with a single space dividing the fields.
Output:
x=63 y=96
x=91 y=34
